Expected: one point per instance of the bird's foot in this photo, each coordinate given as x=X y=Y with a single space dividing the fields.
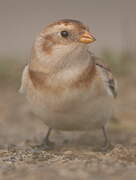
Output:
x=44 y=146
x=107 y=147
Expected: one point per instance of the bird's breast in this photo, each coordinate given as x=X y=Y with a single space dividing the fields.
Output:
x=65 y=98
x=72 y=108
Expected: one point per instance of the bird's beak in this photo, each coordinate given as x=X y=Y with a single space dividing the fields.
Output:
x=86 y=38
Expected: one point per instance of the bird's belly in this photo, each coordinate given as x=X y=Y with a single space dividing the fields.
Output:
x=80 y=114
x=90 y=116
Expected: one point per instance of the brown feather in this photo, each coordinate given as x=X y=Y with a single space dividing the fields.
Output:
x=40 y=81
x=67 y=22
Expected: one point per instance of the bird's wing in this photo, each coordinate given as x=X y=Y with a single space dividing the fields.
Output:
x=24 y=80
x=109 y=81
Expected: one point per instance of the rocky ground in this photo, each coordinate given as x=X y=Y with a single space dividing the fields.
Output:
x=76 y=155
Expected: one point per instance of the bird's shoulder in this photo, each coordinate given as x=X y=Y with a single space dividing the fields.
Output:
x=106 y=75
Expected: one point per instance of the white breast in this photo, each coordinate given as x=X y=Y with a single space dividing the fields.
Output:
x=74 y=110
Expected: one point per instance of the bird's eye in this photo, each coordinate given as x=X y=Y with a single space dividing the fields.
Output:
x=64 y=33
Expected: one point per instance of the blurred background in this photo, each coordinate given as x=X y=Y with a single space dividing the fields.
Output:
x=113 y=22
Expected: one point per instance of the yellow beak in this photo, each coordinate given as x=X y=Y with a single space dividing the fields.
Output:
x=86 y=38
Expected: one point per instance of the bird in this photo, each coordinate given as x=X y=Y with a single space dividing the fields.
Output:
x=65 y=84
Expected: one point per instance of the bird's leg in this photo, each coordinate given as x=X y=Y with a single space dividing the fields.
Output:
x=46 y=140
x=46 y=143
x=107 y=143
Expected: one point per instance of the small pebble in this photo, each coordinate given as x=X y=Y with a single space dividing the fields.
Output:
x=68 y=152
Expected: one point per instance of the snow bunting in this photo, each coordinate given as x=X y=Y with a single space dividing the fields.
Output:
x=67 y=87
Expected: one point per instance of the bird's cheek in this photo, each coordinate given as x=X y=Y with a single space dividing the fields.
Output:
x=47 y=48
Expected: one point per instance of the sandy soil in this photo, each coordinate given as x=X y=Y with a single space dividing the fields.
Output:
x=76 y=155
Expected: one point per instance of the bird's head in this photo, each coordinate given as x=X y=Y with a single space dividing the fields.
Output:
x=62 y=39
